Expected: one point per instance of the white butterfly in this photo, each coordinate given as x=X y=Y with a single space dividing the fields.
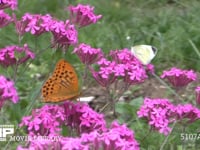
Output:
x=144 y=53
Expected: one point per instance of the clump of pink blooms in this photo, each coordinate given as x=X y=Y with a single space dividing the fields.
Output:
x=7 y=91
x=8 y=4
x=160 y=113
x=89 y=125
x=64 y=33
x=115 y=137
x=5 y=19
x=45 y=121
x=82 y=118
x=87 y=54
x=48 y=119
x=123 y=65
x=197 y=92
x=15 y=55
x=83 y=15
x=178 y=77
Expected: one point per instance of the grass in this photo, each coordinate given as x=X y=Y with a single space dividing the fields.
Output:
x=170 y=25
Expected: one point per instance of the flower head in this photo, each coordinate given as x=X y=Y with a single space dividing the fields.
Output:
x=82 y=118
x=7 y=91
x=64 y=34
x=122 y=66
x=36 y=24
x=12 y=55
x=5 y=19
x=8 y=4
x=83 y=15
x=178 y=77
x=87 y=54
x=45 y=121
x=160 y=113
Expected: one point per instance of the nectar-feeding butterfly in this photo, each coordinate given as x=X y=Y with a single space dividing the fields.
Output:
x=145 y=53
x=62 y=85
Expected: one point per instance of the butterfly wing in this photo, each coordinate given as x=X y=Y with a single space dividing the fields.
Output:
x=145 y=53
x=62 y=85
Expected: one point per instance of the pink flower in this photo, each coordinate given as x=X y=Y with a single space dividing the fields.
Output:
x=5 y=19
x=12 y=55
x=105 y=76
x=7 y=91
x=82 y=118
x=178 y=77
x=87 y=54
x=45 y=121
x=188 y=112
x=64 y=34
x=83 y=15
x=150 y=68
x=36 y=24
x=123 y=66
x=160 y=113
x=197 y=91
x=8 y=3
x=117 y=137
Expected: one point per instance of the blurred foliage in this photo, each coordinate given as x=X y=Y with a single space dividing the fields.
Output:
x=168 y=25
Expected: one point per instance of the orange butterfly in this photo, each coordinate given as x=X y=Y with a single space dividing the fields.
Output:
x=62 y=85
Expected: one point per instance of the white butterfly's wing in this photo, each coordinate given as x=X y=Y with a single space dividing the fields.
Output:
x=145 y=53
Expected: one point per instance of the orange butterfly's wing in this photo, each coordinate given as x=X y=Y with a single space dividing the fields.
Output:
x=62 y=85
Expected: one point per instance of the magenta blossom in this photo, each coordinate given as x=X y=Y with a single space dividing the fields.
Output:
x=64 y=34
x=45 y=121
x=83 y=15
x=7 y=91
x=82 y=118
x=8 y=4
x=160 y=113
x=187 y=111
x=197 y=91
x=123 y=66
x=5 y=19
x=87 y=54
x=12 y=55
x=118 y=137
x=105 y=76
x=36 y=24
x=178 y=77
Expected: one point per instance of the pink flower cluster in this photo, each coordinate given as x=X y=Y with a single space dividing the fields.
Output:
x=64 y=34
x=197 y=92
x=48 y=119
x=82 y=118
x=7 y=91
x=123 y=65
x=12 y=55
x=118 y=137
x=8 y=4
x=87 y=54
x=178 y=77
x=5 y=19
x=83 y=15
x=45 y=121
x=161 y=113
